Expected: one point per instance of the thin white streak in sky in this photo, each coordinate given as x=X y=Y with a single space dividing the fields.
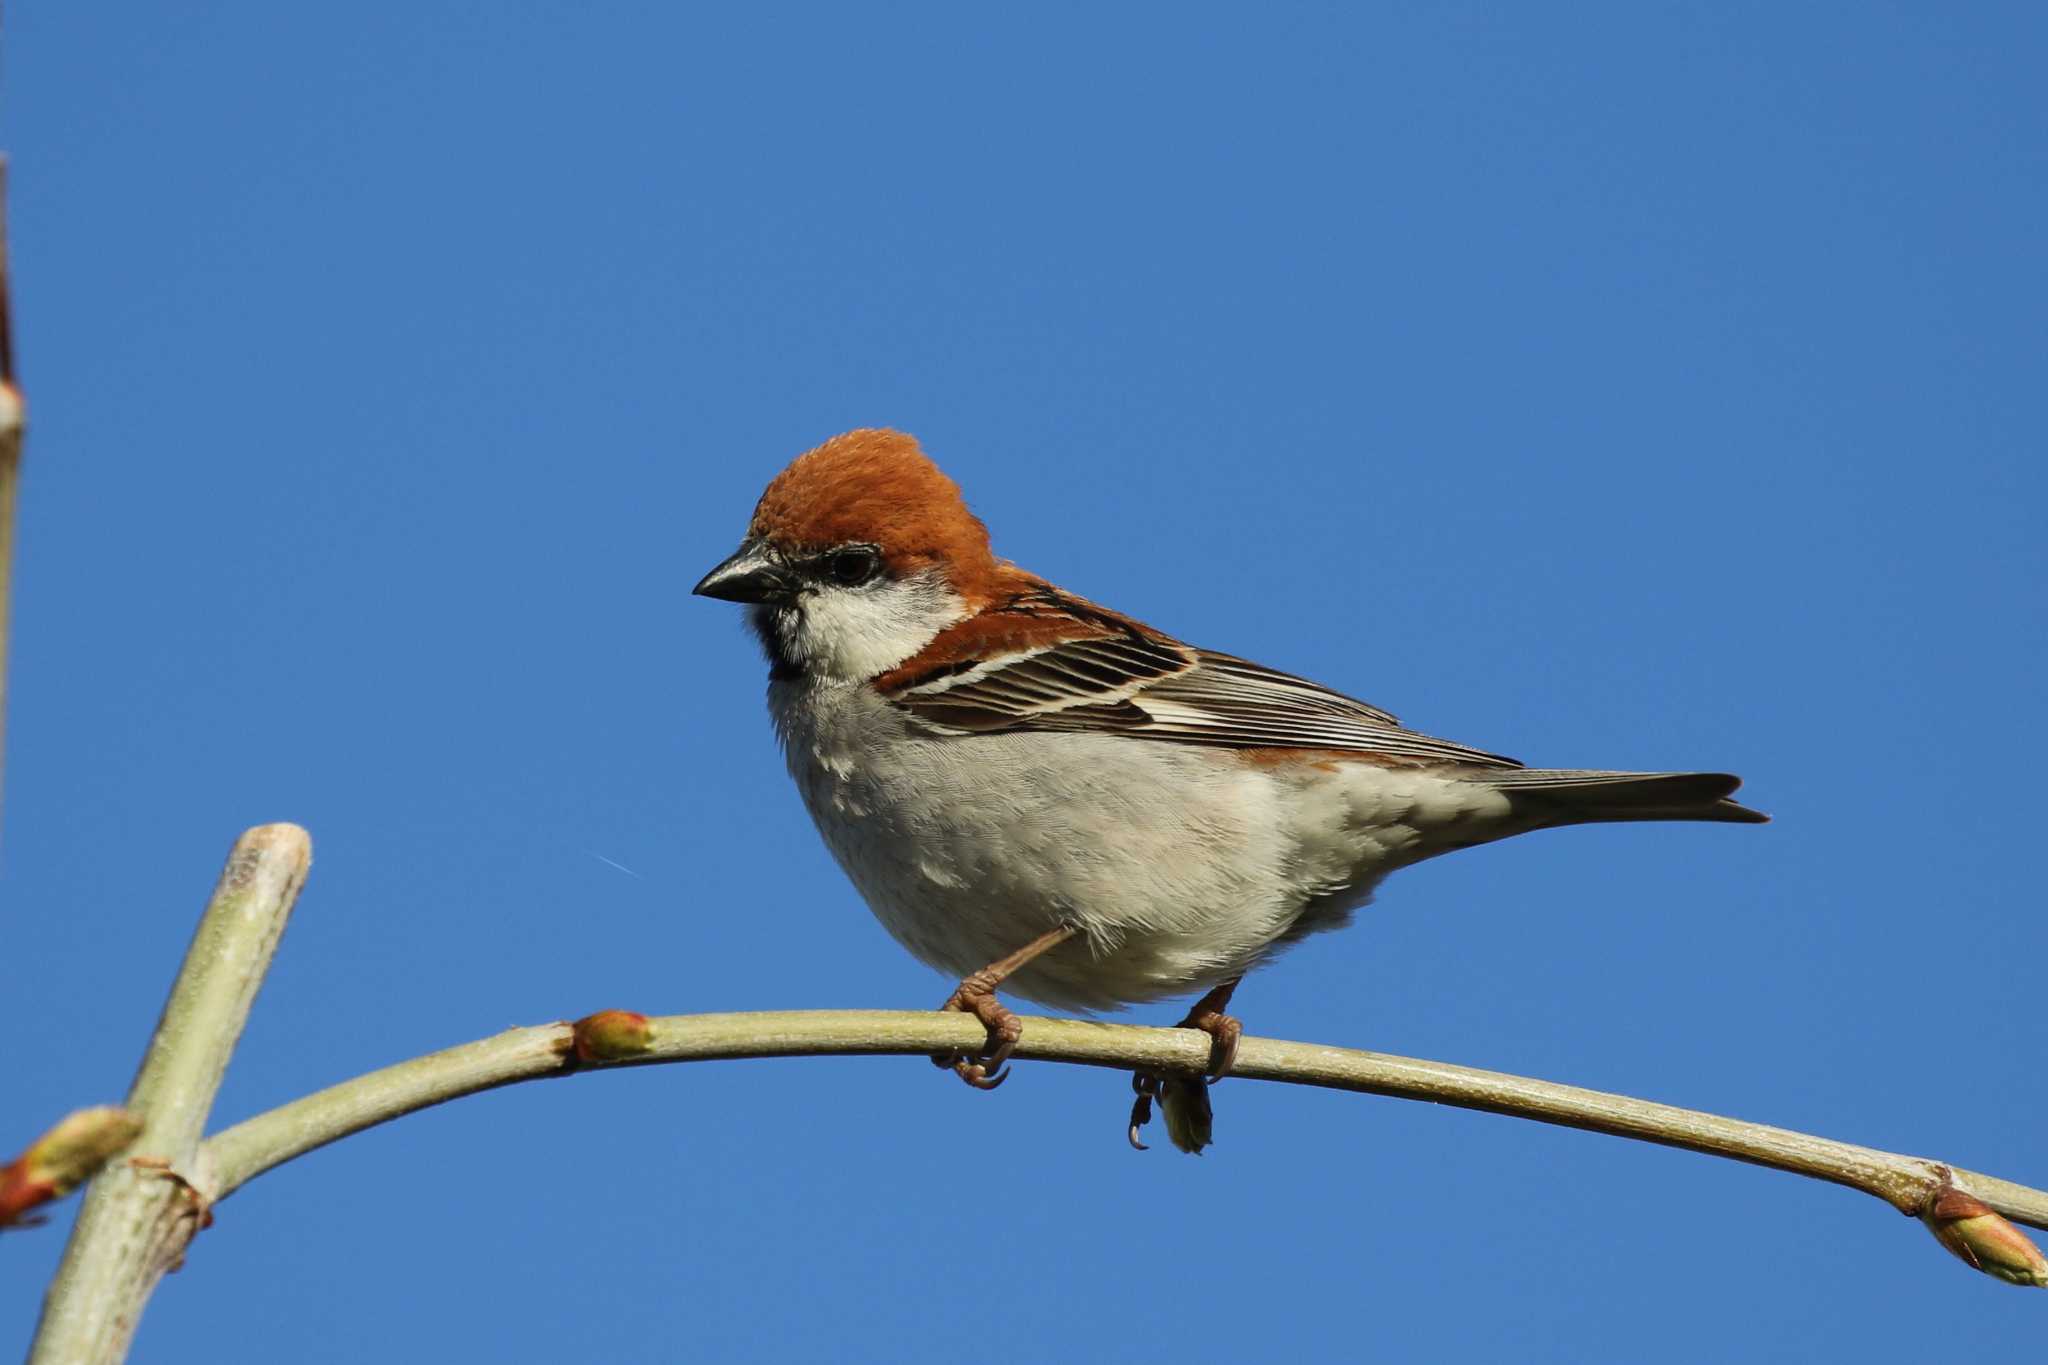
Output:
x=608 y=862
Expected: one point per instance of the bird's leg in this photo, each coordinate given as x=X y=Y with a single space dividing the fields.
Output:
x=976 y=995
x=1186 y=1102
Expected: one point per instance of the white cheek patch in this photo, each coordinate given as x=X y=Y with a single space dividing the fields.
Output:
x=857 y=633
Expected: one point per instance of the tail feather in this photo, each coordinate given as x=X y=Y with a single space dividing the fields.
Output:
x=1566 y=796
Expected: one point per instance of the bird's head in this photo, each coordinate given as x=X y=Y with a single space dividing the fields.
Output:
x=858 y=554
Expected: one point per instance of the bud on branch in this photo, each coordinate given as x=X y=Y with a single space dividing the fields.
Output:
x=64 y=1158
x=1983 y=1240
x=612 y=1036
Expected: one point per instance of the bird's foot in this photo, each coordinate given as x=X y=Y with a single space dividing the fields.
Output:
x=983 y=1070
x=1183 y=1100
x=977 y=996
x=1224 y=1030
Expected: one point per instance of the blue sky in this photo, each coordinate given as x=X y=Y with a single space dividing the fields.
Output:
x=1613 y=385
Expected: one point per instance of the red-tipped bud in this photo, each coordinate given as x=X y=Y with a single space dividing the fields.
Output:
x=1984 y=1240
x=64 y=1158
x=612 y=1036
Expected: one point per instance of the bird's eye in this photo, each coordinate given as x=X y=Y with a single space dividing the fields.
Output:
x=854 y=565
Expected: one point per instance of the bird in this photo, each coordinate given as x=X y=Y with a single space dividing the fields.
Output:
x=1037 y=793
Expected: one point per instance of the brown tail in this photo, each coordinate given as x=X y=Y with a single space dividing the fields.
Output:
x=1565 y=796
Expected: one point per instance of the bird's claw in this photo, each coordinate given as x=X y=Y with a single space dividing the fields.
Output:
x=987 y=1069
x=1147 y=1086
x=978 y=1074
x=1183 y=1102
x=1224 y=1030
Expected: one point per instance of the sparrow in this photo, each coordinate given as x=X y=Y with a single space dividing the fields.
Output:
x=1035 y=792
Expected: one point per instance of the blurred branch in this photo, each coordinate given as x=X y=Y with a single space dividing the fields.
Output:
x=139 y=1215
x=1913 y=1185
x=12 y=420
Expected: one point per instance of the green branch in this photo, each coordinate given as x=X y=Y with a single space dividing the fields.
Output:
x=140 y=1214
x=1908 y=1183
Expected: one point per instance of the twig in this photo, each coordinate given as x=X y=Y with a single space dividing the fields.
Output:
x=1910 y=1184
x=138 y=1216
x=12 y=420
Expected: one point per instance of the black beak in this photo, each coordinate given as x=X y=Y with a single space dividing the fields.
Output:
x=754 y=573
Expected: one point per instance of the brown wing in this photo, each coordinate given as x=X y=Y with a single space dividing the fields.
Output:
x=1046 y=661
